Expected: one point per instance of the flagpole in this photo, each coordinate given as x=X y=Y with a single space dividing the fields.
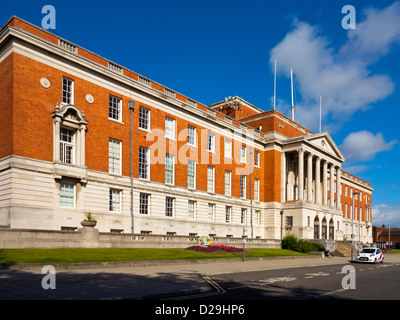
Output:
x=275 y=86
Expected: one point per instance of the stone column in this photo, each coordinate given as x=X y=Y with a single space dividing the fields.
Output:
x=325 y=183
x=309 y=177
x=57 y=123
x=338 y=188
x=332 y=180
x=318 y=180
x=301 y=175
x=82 y=150
x=77 y=148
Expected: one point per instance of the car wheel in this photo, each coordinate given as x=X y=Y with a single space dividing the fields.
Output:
x=382 y=260
x=375 y=261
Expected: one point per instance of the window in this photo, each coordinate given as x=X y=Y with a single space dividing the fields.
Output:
x=144 y=167
x=228 y=149
x=115 y=108
x=243 y=216
x=257 y=189
x=228 y=213
x=169 y=206
x=191 y=174
x=192 y=136
x=68 y=140
x=66 y=146
x=243 y=154
x=289 y=223
x=228 y=176
x=68 y=91
x=257 y=158
x=115 y=200
x=66 y=195
x=169 y=169
x=243 y=186
x=257 y=217
x=144 y=118
x=144 y=203
x=114 y=156
x=210 y=179
x=169 y=128
x=211 y=142
x=192 y=210
x=211 y=211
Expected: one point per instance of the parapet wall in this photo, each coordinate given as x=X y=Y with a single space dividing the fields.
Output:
x=87 y=237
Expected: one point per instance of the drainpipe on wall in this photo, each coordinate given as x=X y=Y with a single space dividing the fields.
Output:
x=131 y=105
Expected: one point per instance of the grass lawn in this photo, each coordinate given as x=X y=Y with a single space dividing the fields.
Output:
x=114 y=254
x=392 y=251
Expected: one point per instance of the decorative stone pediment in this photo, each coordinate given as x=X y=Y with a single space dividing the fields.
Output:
x=69 y=113
x=325 y=143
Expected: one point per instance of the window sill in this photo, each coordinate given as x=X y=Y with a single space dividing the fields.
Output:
x=114 y=120
x=145 y=130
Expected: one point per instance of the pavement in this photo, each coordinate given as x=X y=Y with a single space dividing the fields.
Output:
x=119 y=281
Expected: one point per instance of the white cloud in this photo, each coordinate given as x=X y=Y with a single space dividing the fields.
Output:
x=386 y=214
x=376 y=34
x=340 y=75
x=364 y=145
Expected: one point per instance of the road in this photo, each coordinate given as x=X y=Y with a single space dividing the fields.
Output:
x=371 y=282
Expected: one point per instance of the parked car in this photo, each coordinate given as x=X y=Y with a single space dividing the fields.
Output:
x=373 y=255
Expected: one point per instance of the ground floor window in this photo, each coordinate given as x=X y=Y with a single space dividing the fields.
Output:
x=257 y=217
x=211 y=211
x=243 y=216
x=115 y=200
x=144 y=203
x=316 y=228
x=228 y=214
x=169 y=207
x=66 y=195
x=191 y=209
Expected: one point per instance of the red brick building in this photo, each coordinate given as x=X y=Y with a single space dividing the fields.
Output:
x=382 y=235
x=196 y=169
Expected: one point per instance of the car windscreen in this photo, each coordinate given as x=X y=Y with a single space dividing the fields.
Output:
x=367 y=251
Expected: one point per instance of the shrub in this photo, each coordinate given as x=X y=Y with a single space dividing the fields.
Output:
x=289 y=242
x=307 y=246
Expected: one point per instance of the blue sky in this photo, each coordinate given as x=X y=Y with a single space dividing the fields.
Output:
x=212 y=49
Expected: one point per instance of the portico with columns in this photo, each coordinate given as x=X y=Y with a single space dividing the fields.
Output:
x=311 y=187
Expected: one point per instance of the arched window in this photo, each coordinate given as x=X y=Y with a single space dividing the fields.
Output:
x=324 y=228
x=316 y=228
x=331 y=230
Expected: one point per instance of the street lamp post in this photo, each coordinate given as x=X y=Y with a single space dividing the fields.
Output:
x=131 y=106
x=352 y=228
x=244 y=242
x=281 y=212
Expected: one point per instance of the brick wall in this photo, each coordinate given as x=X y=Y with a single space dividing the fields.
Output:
x=33 y=131
x=6 y=106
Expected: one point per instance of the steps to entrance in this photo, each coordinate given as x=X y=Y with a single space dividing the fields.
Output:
x=343 y=249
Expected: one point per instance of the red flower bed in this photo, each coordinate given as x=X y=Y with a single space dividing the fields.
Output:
x=215 y=249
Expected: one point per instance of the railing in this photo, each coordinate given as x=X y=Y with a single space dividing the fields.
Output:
x=67 y=46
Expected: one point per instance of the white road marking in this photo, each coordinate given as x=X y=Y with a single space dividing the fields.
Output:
x=279 y=279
